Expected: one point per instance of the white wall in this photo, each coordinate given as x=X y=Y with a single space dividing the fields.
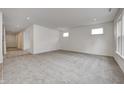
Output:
x=44 y=39
x=27 y=39
x=118 y=59
x=81 y=40
x=1 y=51
x=38 y=39
x=11 y=40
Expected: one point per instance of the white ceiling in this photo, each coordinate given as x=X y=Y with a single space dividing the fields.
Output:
x=15 y=18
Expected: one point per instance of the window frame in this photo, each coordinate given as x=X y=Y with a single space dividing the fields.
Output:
x=120 y=51
x=122 y=34
x=98 y=28
x=66 y=36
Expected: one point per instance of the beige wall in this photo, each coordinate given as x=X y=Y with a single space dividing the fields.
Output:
x=20 y=40
x=11 y=40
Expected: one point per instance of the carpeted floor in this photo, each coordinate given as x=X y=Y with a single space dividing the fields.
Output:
x=61 y=67
x=14 y=52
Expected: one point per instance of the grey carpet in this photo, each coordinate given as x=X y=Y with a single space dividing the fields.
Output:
x=15 y=53
x=61 y=67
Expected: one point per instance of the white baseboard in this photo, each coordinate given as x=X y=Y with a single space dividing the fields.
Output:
x=119 y=60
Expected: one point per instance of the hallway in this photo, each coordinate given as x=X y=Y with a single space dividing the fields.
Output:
x=14 y=52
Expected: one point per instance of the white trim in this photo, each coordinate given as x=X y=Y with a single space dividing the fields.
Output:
x=119 y=54
x=123 y=57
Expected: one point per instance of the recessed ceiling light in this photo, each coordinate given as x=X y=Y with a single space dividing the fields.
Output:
x=28 y=18
x=94 y=19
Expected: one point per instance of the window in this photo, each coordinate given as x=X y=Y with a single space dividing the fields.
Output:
x=97 y=31
x=120 y=35
x=123 y=36
x=66 y=34
x=119 y=40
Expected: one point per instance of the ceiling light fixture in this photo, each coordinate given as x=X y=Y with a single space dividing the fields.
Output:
x=28 y=18
x=94 y=19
